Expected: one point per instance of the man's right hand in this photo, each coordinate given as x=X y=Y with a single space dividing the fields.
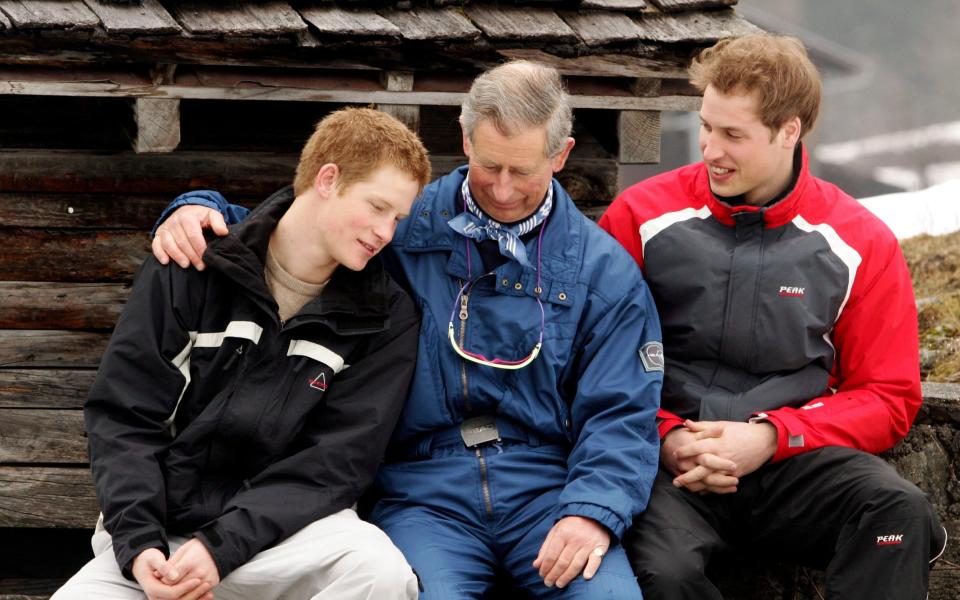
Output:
x=180 y=237
x=148 y=569
x=702 y=473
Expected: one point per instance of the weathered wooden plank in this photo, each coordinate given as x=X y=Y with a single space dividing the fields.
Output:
x=47 y=497
x=4 y=22
x=426 y=23
x=42 y=436
x=639 y=134
x=71 y=256
x=233 y=17
x=48 y=14
x=621 y=5
x=29 y=349
x=247 y=173
x=333 y=20
x=694 y=27
x=605 y=65
x=158 y=125
x=143 y=18
x=408 y=114
x=519 y=23
x=45 y=388
x=55 y=305
x=341 y=96
x=597 y=28
x=689 y=5
x=123 y=211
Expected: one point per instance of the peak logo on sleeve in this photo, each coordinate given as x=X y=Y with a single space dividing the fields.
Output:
x=651 y=355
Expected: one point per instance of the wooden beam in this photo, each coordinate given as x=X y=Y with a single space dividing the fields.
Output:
x=42 y=436
x=55 y=305
x=72 y=256
x=408 y=114
x=45 y=388
x=30 y=349
x=86 y=211
x=639 y=134
x=158 y=125
x=240 y=173
x=302 y=94
x=47 y=497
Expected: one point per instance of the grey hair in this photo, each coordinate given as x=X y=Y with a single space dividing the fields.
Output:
x=518 y=95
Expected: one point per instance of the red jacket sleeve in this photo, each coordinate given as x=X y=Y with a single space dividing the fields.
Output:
x=876 y=374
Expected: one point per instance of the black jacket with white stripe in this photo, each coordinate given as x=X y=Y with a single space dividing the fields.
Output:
x=211 y=418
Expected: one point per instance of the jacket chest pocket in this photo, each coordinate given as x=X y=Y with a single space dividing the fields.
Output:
x=311 y=368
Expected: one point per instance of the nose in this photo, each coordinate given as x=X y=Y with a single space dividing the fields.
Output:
x=384 y=229
x=503 y=187
x=710 y=147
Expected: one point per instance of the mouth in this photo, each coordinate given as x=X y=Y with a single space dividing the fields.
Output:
x=720 y=174
x=370 y=249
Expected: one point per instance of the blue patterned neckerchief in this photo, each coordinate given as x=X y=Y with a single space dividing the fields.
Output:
x=474 y=223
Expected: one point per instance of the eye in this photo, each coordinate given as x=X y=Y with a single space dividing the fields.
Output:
x=377 y=206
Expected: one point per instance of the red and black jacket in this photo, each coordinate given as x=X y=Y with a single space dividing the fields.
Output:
x=801 y=313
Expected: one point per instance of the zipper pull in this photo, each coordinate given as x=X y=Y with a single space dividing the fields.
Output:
x=463 y=307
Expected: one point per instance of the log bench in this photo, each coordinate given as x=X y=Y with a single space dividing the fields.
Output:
x=70 y=245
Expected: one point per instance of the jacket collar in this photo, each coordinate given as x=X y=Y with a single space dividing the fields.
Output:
x=427 y=231
x=774 y=215
x=351 y=301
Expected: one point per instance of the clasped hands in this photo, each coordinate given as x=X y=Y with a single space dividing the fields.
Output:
x=712 y=456
x=190 y=574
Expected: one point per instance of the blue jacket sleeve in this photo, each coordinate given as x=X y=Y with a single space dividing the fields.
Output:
x=232 y=213
x=614 y=458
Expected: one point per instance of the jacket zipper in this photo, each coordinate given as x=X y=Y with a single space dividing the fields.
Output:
x=485 y=484
x=463 y=363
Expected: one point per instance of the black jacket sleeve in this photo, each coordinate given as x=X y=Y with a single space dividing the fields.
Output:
x=342 y=446
x=136 y=391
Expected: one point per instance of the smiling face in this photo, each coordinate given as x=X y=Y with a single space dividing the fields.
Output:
x=358 y=222
x=741 y=154
x=509 y=174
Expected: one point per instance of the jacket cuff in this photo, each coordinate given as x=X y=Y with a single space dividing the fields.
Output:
x=604 y=516
x=208 y=198
x=128 y=547
x=790 y=441
x=667 y=422
x=211 y=538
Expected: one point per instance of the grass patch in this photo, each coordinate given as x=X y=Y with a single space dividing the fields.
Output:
x=934 y=263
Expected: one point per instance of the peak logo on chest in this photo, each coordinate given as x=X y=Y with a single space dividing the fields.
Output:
x=791 y=291
x=319 y=382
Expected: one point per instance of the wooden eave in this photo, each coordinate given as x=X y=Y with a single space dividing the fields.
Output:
x=429 y=36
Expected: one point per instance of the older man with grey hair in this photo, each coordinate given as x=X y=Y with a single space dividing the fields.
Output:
x=528 y=441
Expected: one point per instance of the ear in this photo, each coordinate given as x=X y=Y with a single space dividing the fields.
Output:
x=326 y=180
x=792 y=131
x=466 y=142
x=558 y=161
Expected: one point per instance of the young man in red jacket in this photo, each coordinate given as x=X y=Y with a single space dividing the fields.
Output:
x=790 y=338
